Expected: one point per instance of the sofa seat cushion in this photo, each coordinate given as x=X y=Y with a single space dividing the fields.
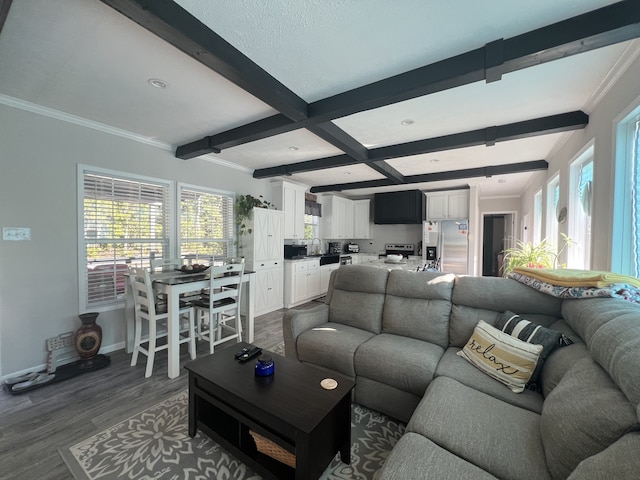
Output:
x=582 y=416
x=402 y=362
x=331 y=345
x=498 y=437
x=415 y=457
x=620 y=460
x=453 y=366
x=384 y=398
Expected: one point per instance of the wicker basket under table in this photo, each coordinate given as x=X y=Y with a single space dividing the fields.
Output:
x=273 y=450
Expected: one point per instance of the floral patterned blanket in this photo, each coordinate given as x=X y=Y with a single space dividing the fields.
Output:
x=614 y=290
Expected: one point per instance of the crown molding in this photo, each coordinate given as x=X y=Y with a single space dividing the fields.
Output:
x=104 y=128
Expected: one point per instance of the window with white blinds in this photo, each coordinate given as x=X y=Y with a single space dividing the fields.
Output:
x=206 y=223
x=125 y=222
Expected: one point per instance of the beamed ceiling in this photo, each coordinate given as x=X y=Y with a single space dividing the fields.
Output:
x=339 y=95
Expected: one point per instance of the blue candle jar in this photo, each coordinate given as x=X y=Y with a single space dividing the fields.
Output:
x=264 y=366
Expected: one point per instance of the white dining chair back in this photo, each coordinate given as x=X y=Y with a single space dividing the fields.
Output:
x=218 y=318
x=161 y=264
x=147 y=308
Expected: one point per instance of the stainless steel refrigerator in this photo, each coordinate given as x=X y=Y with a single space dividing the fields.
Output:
x=451 y=238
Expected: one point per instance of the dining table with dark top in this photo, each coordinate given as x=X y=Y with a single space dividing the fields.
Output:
x=174 y=283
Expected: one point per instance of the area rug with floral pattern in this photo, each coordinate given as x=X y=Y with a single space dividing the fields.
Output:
x=154 y=444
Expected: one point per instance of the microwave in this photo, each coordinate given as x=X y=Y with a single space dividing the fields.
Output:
x=295 y=251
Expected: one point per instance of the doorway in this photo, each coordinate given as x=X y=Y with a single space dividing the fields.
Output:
x=496 y=237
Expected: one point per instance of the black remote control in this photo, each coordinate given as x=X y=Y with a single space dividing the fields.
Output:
x=241 y=352
x=250 y=354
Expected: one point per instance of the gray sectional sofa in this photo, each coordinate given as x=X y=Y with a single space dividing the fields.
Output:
x=397 y=334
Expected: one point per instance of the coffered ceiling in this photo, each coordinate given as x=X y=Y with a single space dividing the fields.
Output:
x=339 y=95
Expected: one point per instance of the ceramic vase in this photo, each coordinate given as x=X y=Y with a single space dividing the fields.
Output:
x=88 y=337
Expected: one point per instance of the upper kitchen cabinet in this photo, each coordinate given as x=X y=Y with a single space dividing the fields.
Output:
x=337 y=217
x=453 y=204
x=361 y=221
x=345 y=219
x=289 y=197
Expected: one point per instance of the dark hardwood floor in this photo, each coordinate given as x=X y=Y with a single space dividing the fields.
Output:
x=33 y=425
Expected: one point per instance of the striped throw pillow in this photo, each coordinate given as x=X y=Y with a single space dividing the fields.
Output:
x=514 y=325
x=501 y=356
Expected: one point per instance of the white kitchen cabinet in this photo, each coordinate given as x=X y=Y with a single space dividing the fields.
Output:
x=325 y=275
x=338 y=216
x=448 y=205
x=264 y=254
x=289 y=197
x=361 y=222
x=302 y=281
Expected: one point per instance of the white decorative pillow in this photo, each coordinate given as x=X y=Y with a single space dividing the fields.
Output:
x=501 y=356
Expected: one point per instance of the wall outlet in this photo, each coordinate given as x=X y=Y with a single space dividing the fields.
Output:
x=15 y=233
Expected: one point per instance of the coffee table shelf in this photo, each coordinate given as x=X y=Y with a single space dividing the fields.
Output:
x=227 y=400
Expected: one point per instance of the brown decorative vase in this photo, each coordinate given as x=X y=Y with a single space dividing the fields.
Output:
x=88 y=339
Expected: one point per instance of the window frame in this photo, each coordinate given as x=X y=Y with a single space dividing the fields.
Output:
x=537 y=217
x=624 y=225
x=231 y=241
x=83 y=264
x=579 y=254
x=551 y=225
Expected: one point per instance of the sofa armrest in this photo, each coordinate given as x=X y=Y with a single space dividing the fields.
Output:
x=295 y=322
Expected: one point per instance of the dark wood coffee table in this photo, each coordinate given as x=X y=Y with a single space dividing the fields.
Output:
x=290 y=408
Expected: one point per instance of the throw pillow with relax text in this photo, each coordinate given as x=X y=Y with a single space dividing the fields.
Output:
x=512 y=324
x=501 y=356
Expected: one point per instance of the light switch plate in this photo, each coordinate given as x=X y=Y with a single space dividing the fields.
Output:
x=16 y=233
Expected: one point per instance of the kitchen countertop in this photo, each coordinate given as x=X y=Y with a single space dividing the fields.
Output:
x=412 y=264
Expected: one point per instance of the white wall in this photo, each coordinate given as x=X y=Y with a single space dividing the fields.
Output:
x=38 y=278
x=601 y=129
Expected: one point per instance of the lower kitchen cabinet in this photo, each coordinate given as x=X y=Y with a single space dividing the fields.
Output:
x=305 y=280
x=269 y=283
x=325 y=274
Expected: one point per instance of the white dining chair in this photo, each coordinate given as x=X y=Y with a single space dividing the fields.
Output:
x=218 y=317
x=165 y=264
x=147 y=307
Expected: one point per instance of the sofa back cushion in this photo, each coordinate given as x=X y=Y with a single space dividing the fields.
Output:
x=418 y=305
x=582 y=416
x=484 y=298
x=610 y=328
x=559 y=363
x=356 y=296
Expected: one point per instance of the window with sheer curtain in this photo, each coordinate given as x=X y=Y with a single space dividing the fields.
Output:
x=125 y=221
x=206 y=223
x=580 y=202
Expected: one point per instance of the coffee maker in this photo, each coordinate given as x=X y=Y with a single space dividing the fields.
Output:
x=334 y=247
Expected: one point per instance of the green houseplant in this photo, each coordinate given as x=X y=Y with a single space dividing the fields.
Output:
x=527 y=254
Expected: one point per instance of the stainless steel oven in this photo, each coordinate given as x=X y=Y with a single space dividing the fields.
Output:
x=404 y=249
x=346 y=259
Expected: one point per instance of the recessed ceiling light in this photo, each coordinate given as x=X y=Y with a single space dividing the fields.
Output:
x=347 y=173
x=157 y=83
x=406 y=122
x=293 y=149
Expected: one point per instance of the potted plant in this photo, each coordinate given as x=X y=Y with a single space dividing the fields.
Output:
x=527 y=254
